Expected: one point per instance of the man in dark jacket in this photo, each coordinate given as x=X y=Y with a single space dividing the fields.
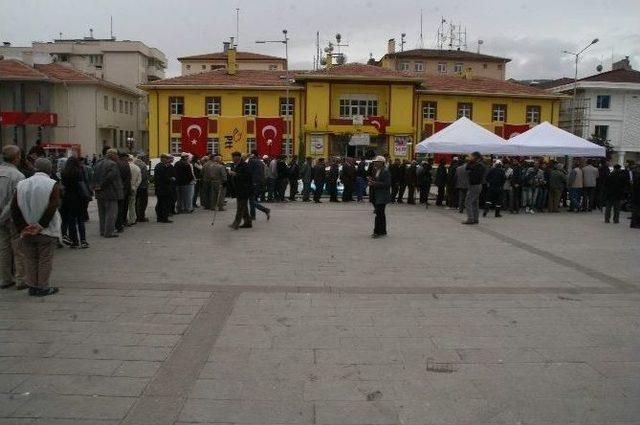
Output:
x=441 y=181
x=163 y=179
x=495 y=182
x=185 y=180
x=516 y=187
x=125 y=175
x=282 y=179
x=142 y=194
x=452 y=193
x=348 y=177
x=108 y=187
x=394 y=170
x=293 y=173
x=475 y=173
x=257 y=170
x=319 y=178
x=332 y=180
x=306 y=173
x=412 y=181
x=615 y=186
x=241 y=176
x=424 y=181
x=557 y=185
x=380 y=184
x=402 y=180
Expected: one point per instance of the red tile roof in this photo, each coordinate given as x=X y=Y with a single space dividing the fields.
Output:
x=64 y=73
x=615 y=76
x=220 y=77
x=12 y=69
x=240 y=56
x=357 y=71
x=445 y=54
x=478 y=85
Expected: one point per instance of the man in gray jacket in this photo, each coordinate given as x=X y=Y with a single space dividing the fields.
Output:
x=462 y=184
x=107 y=185
x=215 y=176
x=589 y=180
x=11 y=259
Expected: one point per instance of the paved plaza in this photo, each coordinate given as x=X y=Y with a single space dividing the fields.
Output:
x=304 y=319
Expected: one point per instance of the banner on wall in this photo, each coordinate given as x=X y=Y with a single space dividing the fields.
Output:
x=317 y=144
x=401 y=145
x=269 y=136
x=360 y=139
x=233 y=135
x=194 y=135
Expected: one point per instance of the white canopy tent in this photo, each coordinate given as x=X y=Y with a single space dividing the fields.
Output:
x=465 y=136
x=546 y=139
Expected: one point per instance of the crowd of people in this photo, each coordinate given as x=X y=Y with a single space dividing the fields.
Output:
x=44 y=203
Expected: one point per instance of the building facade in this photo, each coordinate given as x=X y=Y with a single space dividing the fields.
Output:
x=444 y=62
x=351 y=109
x=607 y=109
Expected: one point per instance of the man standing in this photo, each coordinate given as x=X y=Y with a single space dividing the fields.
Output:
x=615 y=186
x=34 y=210
x=294 y=175
x=332 y=180
x=589 y=182
x=516 y=187
x=256 y=168
x=394 y=170
x=634 y=181
x=319 y=176
x=163 y=177
x=412 y=181
x=441 y=182
x=495 y=183
x=142 y=194
x=380 y=184
x=424 y=181
x=452 y=193
x=462 y=185
x=402 y=180
x=242 y=183
x=123 y=204
x=136 y=179
x=557 y=184
x=217 y=175
x=306 y=172
x=184 y=184
x=205 y=184
x=282 y=178
x=11 y=259
x=575 y=188
x=272 y=178
x=348 y=177
x=475 y=175
x=108 y=187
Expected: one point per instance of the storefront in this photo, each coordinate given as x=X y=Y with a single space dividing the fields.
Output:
x=362 y=145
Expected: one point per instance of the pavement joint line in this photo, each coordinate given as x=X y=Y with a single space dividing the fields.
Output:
x=565 y=262
x=166 y=393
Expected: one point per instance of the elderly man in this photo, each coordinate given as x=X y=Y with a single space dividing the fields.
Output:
x=164 y=178
x=11 y=261
x=214 y=175
x=107 y=184
x=380 y=184
x=136 y=179
x=475 y=172
x=242 y=183
x=34 y=210
x=185 y=183
x=142 y=194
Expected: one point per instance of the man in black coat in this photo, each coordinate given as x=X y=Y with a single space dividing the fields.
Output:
x=424 y=182
x=496 y=178
x=123 y=204
x=615 y=186
x=241 y=176
x=282 y=179
x=319 y=178
x=395 y=170
x=332 y=180
x=380 y=184
x=402 y=180
x=348 y=177
x=293 y=173
x=475 y=172
x=452 y=193
x=412 y=181
x=163 y=179
x=441 y=181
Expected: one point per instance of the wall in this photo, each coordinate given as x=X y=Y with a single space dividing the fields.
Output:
x=196 y=65
x=430 y=67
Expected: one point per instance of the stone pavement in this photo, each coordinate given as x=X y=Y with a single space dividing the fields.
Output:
x=306 y=320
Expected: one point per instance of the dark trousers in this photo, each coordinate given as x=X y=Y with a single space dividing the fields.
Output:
x=462 y=196
x=253 y=202
x=411 y=197
x=395 y=188
x=123 y=207
x=306 y=189
x=440 y=195
x=615 y=205
x=164 y=207
x=281 y=185
x=401 y=188
x=347 y=192
x=516 y=199
x=317 y=193
x=332 y=188
x=493 y=199
x=142 y=199
x=380 y=226
x=554 y=199
x=293 y=189
x=588 y=198
x=242 y=212
x=424 y=193
x=452 y=197
x=75 y=225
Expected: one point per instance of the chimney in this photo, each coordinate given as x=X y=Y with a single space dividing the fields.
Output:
x=232 y=66
x=467 y=74
x=622 y=64
x=225 y=46
x=6 y=44
x=391 y=46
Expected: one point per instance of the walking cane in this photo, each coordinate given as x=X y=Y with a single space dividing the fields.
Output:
x=216 y=206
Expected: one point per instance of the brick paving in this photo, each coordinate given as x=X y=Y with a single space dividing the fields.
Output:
x=306 y=320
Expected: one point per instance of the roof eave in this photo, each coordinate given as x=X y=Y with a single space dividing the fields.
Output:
x=497 y=94
x=147 y=87
x=359 y=78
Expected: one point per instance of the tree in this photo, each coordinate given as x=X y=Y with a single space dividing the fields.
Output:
x=601 y=141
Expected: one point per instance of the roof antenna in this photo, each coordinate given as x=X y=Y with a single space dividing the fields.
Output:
x=111 y=26
x=237 y=25
x=421 y=39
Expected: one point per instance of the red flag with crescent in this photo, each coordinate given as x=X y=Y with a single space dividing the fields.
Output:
x=269 y=133
x=511 y=130
x=378 y=122
x=194 y=135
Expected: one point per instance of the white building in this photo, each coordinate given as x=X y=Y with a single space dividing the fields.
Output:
x=607 y=108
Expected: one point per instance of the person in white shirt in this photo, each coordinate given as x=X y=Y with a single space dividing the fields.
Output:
x=10 y=255
x=136 y=179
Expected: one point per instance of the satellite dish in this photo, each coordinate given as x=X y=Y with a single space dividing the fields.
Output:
x=338 y=38
x=599 y=68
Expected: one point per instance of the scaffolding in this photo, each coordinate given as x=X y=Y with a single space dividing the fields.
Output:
x=582 y=113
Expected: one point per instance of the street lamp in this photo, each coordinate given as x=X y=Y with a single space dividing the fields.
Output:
x=284 y=41
x=575 y=83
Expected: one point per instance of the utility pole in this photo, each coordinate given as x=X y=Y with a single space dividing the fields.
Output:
x=421 y=38
x=575 y=83
x=237 y=25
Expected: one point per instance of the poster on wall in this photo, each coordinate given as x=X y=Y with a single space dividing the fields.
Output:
x=401 y=145
x=317 y=144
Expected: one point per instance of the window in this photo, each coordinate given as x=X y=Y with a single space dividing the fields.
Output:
x=249 y=106
x=603 y=101
x=533 y=114
x=126 y=107
x=203 y=66
x=63 y=58
x=175 y=145
x=365 y=106
x=465 y=110
x=176 y=105
x=131 y=108
x=212 y=67
x=429 y=110
x=106 y=102
x=273 y=67
x=484 y=66
x=457 y=68
x=95 y=60
x=213 y=146
x=212 y=106
x=499 y=113
x=286 y=109
x=404 y=66
x=442 y=68
x=251 y=144
x=188 y=67
x=120 y=105
x=418 y=66
x=287 y=146
x=601 y=132
x=113 y=104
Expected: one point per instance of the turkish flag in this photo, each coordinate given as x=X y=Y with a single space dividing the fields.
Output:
x=511 y=130
x=439 y=125
x=194 y=135
x=269 y=133
x=378 y=122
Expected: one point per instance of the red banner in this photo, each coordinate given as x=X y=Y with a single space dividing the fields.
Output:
x=269 y=133
x=438 y=125
x=194 y=135
x=45 y=119
x=511 y=130
x=378 y=122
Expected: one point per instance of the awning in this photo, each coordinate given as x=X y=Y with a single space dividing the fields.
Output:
x=547 y=139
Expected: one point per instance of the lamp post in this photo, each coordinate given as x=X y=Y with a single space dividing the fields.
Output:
x=284 y=41
x=575 y=82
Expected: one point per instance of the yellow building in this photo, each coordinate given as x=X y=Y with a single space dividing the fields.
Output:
x=351 y=109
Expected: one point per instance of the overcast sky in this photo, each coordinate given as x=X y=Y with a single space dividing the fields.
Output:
x=532 y=33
